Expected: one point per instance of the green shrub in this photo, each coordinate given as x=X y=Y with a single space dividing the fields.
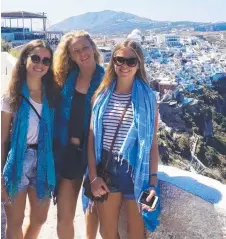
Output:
x=5 y=46
x=14 y=53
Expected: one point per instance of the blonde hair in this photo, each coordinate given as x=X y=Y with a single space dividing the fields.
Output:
x=110 y=73
x=62 y=63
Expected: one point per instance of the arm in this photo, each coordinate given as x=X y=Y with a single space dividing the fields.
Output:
x=91 y=156
x=154 y=157
x=98 y=186
x=5 y=133
x=154 y=154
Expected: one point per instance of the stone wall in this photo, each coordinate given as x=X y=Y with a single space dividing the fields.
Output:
x=184 y=212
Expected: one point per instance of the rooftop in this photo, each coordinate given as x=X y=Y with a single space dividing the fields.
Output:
x=21 y=14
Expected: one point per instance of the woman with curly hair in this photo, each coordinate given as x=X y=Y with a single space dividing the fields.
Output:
x=123 y=140
x=77 y=71
x=27 y=112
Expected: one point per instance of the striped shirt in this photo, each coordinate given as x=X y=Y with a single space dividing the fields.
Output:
x=111 y=120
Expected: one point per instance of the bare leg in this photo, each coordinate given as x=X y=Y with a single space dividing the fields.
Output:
x=38 y=214
x=135 y=222
x=108 y=213
x=92 y=222
x=66 y=206
x=15 y=217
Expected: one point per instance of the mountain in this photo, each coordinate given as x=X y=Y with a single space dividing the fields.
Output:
x=112 y=22
x=105 y=21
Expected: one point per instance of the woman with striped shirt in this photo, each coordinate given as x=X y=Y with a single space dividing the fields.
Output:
x=123 y=138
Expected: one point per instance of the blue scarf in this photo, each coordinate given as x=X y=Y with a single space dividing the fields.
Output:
x=64 y=110
x=137 y=145
x=13 y=168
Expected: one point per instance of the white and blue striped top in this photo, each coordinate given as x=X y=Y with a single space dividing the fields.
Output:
x=111 y=120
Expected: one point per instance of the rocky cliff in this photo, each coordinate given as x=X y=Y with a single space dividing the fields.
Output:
x=192 y=135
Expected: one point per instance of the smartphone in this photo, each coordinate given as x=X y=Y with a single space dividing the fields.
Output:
x=142 y=200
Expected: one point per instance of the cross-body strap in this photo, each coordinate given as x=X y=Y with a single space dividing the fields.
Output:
x=26 y=99
x=119 y=124
x=116 y=132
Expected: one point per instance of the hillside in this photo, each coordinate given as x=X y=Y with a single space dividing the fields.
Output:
x=112 y=22
x=195 y=136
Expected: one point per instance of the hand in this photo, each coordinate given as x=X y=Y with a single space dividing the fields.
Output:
x=152 y=193
x=99 y=187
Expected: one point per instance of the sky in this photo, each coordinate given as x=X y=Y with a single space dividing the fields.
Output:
x=161 y=10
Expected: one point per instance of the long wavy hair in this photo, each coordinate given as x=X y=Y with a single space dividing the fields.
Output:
x=19 y=76
x=62 y=62
x=110 y=73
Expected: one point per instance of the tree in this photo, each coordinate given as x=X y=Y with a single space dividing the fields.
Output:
x=5 y=46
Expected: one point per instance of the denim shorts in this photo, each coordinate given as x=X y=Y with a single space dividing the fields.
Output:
x=121 y=176
x=28 y=178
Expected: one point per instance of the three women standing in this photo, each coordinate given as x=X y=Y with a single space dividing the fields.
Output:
x=123 y=133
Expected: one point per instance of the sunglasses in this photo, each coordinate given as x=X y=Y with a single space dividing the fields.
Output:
x=37 y=59
x=119 y=61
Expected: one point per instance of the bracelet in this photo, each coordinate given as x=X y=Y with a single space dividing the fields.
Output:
x=94 y=180
x=154 y=174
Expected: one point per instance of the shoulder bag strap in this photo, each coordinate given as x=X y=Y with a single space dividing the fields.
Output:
x=116 y=132
x=119 y=124
x=26 y=99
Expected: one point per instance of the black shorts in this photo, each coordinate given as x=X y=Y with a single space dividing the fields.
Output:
x=72 y=165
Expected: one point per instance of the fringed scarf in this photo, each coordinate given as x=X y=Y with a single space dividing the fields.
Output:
x=64 y=109
x=137 y=145
x=13 y=168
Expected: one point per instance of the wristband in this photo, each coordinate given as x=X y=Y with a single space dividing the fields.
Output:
x=154 y=175
x=94 y=180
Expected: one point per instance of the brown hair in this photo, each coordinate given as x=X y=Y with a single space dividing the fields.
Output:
x=19 y=76
x=110 y=73
x=62 y=61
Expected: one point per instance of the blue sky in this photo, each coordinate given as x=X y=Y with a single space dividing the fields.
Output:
x=170 y=10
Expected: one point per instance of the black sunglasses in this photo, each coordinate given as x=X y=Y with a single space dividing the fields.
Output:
x=45 y=60
x=119 y=61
